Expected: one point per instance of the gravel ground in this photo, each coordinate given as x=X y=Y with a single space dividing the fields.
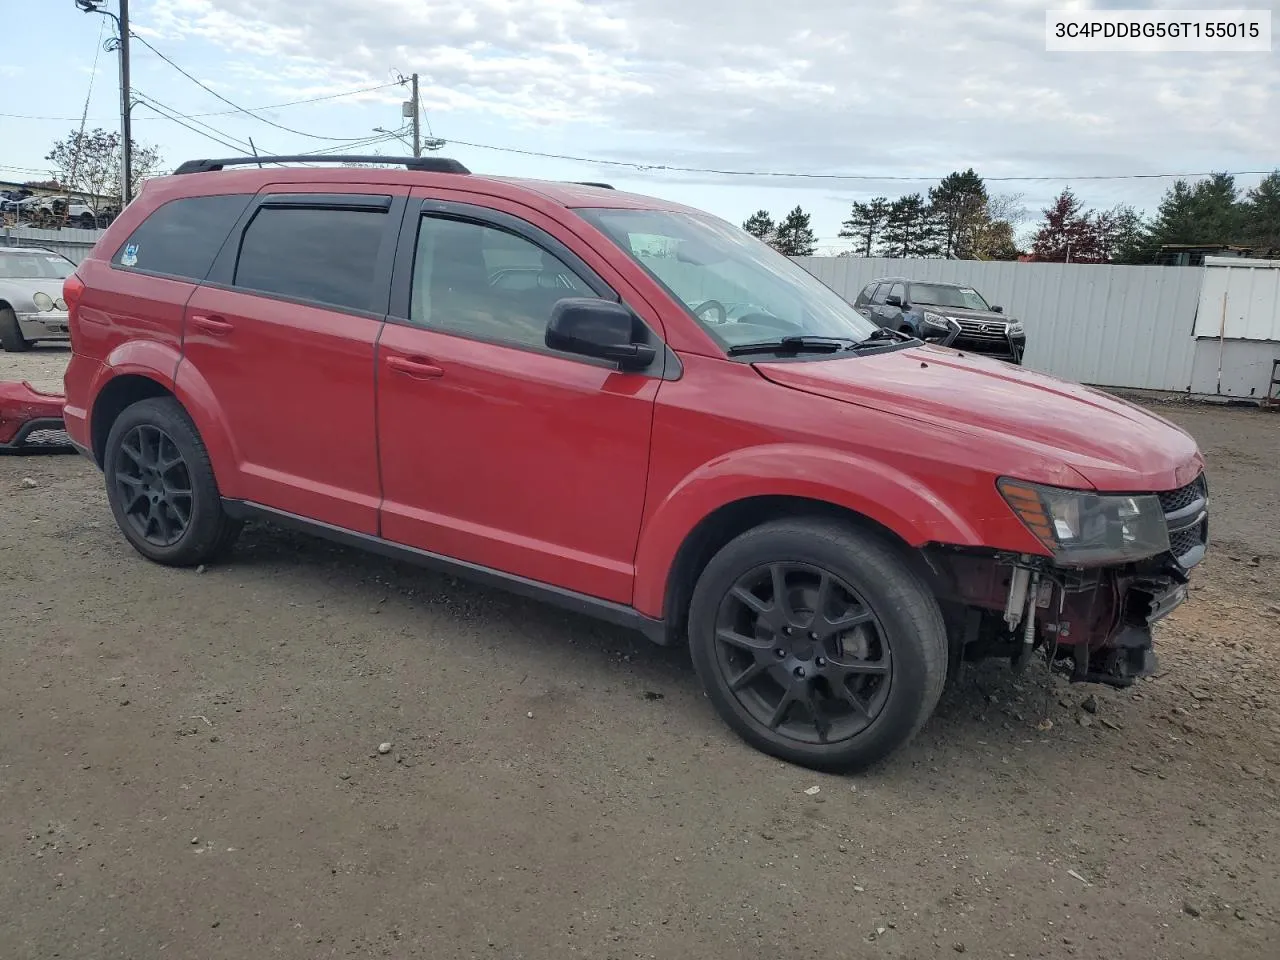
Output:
x=189 y=767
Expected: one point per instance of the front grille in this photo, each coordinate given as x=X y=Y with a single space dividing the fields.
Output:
x=973 y=329
x=47 y=438
x=1176 y=500
x=1186 y=516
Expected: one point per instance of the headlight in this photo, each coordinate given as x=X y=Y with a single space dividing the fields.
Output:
x=935 y=320
x=1015 y=328
x=1083 y=529
x=60 y=304
x=42 y=301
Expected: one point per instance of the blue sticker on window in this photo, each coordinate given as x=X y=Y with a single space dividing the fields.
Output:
x=130 y=256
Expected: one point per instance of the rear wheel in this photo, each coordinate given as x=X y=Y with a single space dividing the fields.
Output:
x=161 y=486
x=817 y=643
x=11 y=337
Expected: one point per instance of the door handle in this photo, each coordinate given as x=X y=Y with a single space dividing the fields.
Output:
x=413 y=367
x=214 y=325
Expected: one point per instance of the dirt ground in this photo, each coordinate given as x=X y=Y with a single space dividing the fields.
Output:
x=189 y=769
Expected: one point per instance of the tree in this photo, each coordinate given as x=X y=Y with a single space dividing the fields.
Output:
x=866 y=222
x=760 y=225
x=1260 y=214
x=90 y=162
x=1068 y=233
x=994 y=240
x=794 y=237
x=1122 y=235
x=959 y=205
x=1206 y=213
x=909 y=229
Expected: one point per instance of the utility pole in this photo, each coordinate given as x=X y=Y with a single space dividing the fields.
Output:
x=417 y=115
x=126 y=129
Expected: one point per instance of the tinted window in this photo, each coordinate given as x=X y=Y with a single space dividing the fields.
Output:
x=182 y=237
x=484 y=282
x=898 y=291
x=328 y=256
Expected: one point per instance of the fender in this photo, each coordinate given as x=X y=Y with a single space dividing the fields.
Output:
x=163 y=363
x=913 y=511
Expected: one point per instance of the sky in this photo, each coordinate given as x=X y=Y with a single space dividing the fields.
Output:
x=872 y=98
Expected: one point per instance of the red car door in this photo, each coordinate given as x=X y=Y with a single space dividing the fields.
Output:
x=494 y=449
x=282 y=337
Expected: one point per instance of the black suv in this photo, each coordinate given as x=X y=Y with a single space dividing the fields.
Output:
x=926 y=309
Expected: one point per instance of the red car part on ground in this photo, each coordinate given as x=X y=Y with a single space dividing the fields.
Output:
x=29 y=419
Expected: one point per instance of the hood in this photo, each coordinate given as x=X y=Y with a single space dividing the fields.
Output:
x=1113 y=444
x=18 y=293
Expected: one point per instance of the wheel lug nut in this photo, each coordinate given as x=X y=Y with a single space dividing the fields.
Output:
x=800 y=672
x=821 y=661
x=787 y=631
x=813 y=636
x=780 y=653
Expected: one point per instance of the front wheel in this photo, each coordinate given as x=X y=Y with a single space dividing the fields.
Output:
x=817 y=643
x=11 y=337
x=161 y=486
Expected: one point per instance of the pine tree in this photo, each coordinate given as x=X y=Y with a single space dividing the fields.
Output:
x=910 y=230
x=760 y=225
x=1260 y=214
x=794 y=237
x=866 y=222
x=959 y=205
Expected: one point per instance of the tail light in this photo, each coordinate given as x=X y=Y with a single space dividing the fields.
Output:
x=72 y=293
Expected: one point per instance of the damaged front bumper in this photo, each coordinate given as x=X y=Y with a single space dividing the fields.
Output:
x=30 y=421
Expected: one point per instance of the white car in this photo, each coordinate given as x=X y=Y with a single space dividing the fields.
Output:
x=31 y=304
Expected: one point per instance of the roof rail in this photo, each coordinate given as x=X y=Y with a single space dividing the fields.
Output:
x=591 y=183
x=423 y=164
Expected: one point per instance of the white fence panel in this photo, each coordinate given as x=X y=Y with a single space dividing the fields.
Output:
x=1240 y=299
x=72 y=243
x=1113 y=326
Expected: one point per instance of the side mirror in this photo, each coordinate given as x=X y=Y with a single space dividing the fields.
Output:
x=997 y=309
x=893 y=301
x=597 y=328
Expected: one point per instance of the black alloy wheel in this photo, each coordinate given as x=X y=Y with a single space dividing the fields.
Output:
x=818 y=642
x=804 y=654
x=161 y=486
x=154 y=485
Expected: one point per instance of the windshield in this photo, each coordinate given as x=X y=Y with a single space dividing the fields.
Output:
x=34 y=265
x=936 y=295
x=740 y=289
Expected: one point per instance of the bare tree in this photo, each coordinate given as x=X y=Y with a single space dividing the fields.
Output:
x=89 y=162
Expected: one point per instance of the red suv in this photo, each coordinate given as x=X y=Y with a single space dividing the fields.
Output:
x=539 y=384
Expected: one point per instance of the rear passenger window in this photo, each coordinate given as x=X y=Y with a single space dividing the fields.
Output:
x=181 y=238
x=327 y=256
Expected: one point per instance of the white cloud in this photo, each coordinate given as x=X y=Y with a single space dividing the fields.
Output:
x=910 y=88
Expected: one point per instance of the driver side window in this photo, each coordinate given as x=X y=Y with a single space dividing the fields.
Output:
x=476 y=280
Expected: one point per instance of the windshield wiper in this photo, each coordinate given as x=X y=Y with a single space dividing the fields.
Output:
x=881 y=335
x=793 y=345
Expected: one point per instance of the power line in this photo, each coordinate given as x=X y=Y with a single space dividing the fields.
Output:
x=672 y=168
x=224 y=113
x=231 y=103
x=159 y=111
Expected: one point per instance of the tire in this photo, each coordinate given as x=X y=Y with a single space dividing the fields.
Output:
x=11 y=337
x=149 y=503
x=886 y=648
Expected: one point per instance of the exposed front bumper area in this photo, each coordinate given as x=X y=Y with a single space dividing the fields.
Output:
x=1094 y=623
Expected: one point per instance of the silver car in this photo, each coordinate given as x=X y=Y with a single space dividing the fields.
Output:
x=31 y=305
